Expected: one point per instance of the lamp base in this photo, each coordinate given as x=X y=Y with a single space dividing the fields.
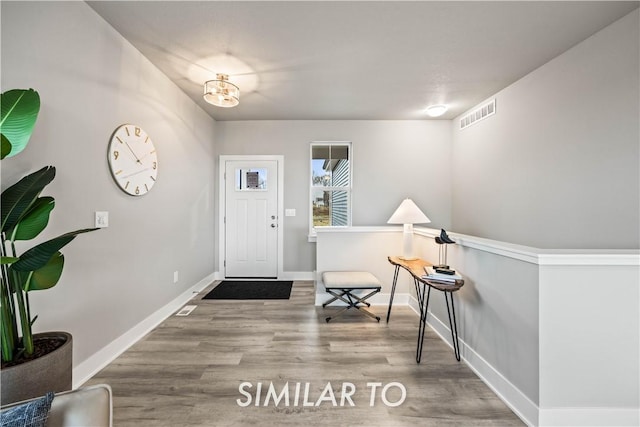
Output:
x=407 y=243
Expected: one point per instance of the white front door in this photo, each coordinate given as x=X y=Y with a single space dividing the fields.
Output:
x=251 y=218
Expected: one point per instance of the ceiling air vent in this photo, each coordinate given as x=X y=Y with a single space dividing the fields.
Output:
x=478 y=114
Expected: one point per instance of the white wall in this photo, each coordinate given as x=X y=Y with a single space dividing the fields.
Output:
x=90 y=81
x=391 y=160
x=558 y=165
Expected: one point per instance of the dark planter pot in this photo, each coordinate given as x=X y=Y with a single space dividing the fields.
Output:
x=51 y=372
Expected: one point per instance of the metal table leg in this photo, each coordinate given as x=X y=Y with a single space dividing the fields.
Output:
x=393 y=291
x=453 y=326
x=424 y=307
x=421 y=282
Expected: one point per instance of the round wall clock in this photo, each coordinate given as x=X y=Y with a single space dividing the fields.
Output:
x=133 y=160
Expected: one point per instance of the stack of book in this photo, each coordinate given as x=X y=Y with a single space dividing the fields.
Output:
x=448 y=278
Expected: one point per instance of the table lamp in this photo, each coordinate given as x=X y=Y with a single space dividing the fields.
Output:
x=408 y=214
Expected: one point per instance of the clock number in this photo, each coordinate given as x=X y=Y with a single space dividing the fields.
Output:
x=126 y=129
x=155 y=165
x=145 y=186
x=146 y=139
x=115 y=155
x=137 y=131
x=137 y=190
x=126 y=185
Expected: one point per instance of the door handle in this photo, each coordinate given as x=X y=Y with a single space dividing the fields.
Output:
x=273 y=226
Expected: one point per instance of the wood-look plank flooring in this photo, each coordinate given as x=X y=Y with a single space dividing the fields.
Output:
x=187 y=372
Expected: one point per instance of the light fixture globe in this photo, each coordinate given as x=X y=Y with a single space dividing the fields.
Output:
x=221 y=93
x=436 y=110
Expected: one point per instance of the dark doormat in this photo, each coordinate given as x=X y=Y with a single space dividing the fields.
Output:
x=251 y=289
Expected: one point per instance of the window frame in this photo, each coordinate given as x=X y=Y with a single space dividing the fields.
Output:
x=348 y=189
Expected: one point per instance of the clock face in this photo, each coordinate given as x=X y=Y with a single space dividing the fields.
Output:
x=133 y=160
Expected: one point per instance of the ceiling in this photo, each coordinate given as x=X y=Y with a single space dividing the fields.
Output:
x=353 y=60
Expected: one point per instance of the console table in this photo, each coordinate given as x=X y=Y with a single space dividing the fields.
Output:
x=424 y=286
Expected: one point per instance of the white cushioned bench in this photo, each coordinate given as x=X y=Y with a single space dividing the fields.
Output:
x=342 y=284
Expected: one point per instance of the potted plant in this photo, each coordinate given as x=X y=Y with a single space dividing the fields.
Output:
x=28 y=360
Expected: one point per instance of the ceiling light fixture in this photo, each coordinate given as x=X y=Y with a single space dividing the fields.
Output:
x=436 y=110
x=221 y=92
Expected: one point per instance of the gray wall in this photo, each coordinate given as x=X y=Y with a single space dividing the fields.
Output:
x=90 y=81
x=557 y=166
x=391 y=160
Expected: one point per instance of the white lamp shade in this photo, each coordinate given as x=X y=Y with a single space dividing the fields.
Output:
x=408 y=213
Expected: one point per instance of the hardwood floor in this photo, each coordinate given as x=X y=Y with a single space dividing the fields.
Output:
x=189 y=370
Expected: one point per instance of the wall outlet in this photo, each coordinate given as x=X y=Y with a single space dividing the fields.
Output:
x=175 y=277
x=101 y=219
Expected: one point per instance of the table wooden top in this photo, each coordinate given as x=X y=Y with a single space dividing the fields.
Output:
x=416 y=268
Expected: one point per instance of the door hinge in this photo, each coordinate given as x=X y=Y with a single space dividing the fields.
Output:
x=224 y=263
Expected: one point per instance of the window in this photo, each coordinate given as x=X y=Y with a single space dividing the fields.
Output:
x=330 y=185
x=251 y=179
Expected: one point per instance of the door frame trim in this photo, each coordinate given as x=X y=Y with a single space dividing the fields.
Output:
x=222 y=206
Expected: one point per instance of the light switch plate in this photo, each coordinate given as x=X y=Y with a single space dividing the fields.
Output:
x=102 y=219
x=289 y=212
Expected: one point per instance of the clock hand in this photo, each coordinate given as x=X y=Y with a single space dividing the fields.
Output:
x=149 y=153
x=134 y=154
x=134 y=173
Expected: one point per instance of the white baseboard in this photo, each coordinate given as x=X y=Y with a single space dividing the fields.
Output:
x=88 y=368
x=590 y=417
x=286 y=275
x=413 y=304
x=297 y=275
x=517 y=401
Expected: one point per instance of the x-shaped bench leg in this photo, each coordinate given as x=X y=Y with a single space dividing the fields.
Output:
x=352 y=301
